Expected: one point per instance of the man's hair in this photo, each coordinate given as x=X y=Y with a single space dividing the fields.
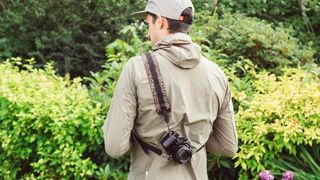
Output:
x=175 y=25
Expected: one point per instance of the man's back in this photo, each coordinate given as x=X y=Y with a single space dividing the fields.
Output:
x=199 y=97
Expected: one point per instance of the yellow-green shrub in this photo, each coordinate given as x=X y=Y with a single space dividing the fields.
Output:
x=283 y=112
x=49 y=126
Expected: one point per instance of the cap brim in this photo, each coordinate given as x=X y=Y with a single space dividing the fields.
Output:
x=140 y=14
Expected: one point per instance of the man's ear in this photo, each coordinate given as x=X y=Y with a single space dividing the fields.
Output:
x=160 y=21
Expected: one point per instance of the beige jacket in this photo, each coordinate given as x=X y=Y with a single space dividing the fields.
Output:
x=202 y=111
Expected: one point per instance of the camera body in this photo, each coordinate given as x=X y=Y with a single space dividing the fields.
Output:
x=177 y=147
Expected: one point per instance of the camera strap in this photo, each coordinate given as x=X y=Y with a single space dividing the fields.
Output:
x=156 y=85
x=159 y=97
x=145 y=146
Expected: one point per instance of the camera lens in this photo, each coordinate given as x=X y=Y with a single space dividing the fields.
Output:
x=183 y=155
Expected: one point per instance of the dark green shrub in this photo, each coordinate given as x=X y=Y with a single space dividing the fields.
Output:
x=102 y=84
x=69 y=32
x=239 y=37
x=303 y=15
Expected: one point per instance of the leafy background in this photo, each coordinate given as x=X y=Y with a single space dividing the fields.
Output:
x=60 y=61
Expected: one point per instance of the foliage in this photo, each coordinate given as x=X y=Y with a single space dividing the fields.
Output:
x=50 y=128
x=115 y=174
x=238 y=36
x=282 y=113
x=203 y=5
x=72 y=34
x=220 y=167
x=305 y=165
x=103 y=83
x=303 y=16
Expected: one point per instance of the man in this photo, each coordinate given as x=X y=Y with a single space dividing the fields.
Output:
x=197 y=91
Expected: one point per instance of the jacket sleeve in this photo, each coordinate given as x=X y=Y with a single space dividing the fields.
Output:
x=120 y=119
x=223 y=139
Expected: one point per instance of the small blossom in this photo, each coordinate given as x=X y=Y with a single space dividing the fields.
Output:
x=266 y=175
x=288 y=175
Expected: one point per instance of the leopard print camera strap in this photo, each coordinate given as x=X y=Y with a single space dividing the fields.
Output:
x=157 y=85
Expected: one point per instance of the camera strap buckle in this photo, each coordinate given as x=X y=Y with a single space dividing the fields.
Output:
x=166 y=156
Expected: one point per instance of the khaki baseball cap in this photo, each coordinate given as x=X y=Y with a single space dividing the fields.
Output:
x=171 y=9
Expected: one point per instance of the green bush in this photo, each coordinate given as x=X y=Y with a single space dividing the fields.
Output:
x=303 y=15
x=282 y=113
x=71 y=33
x=102 y=83
x=238 y=36
x=49 y=126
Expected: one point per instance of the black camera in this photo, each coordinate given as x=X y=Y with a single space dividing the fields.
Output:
x=177 y=147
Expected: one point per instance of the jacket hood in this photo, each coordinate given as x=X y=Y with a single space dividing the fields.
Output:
x=179 y=50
